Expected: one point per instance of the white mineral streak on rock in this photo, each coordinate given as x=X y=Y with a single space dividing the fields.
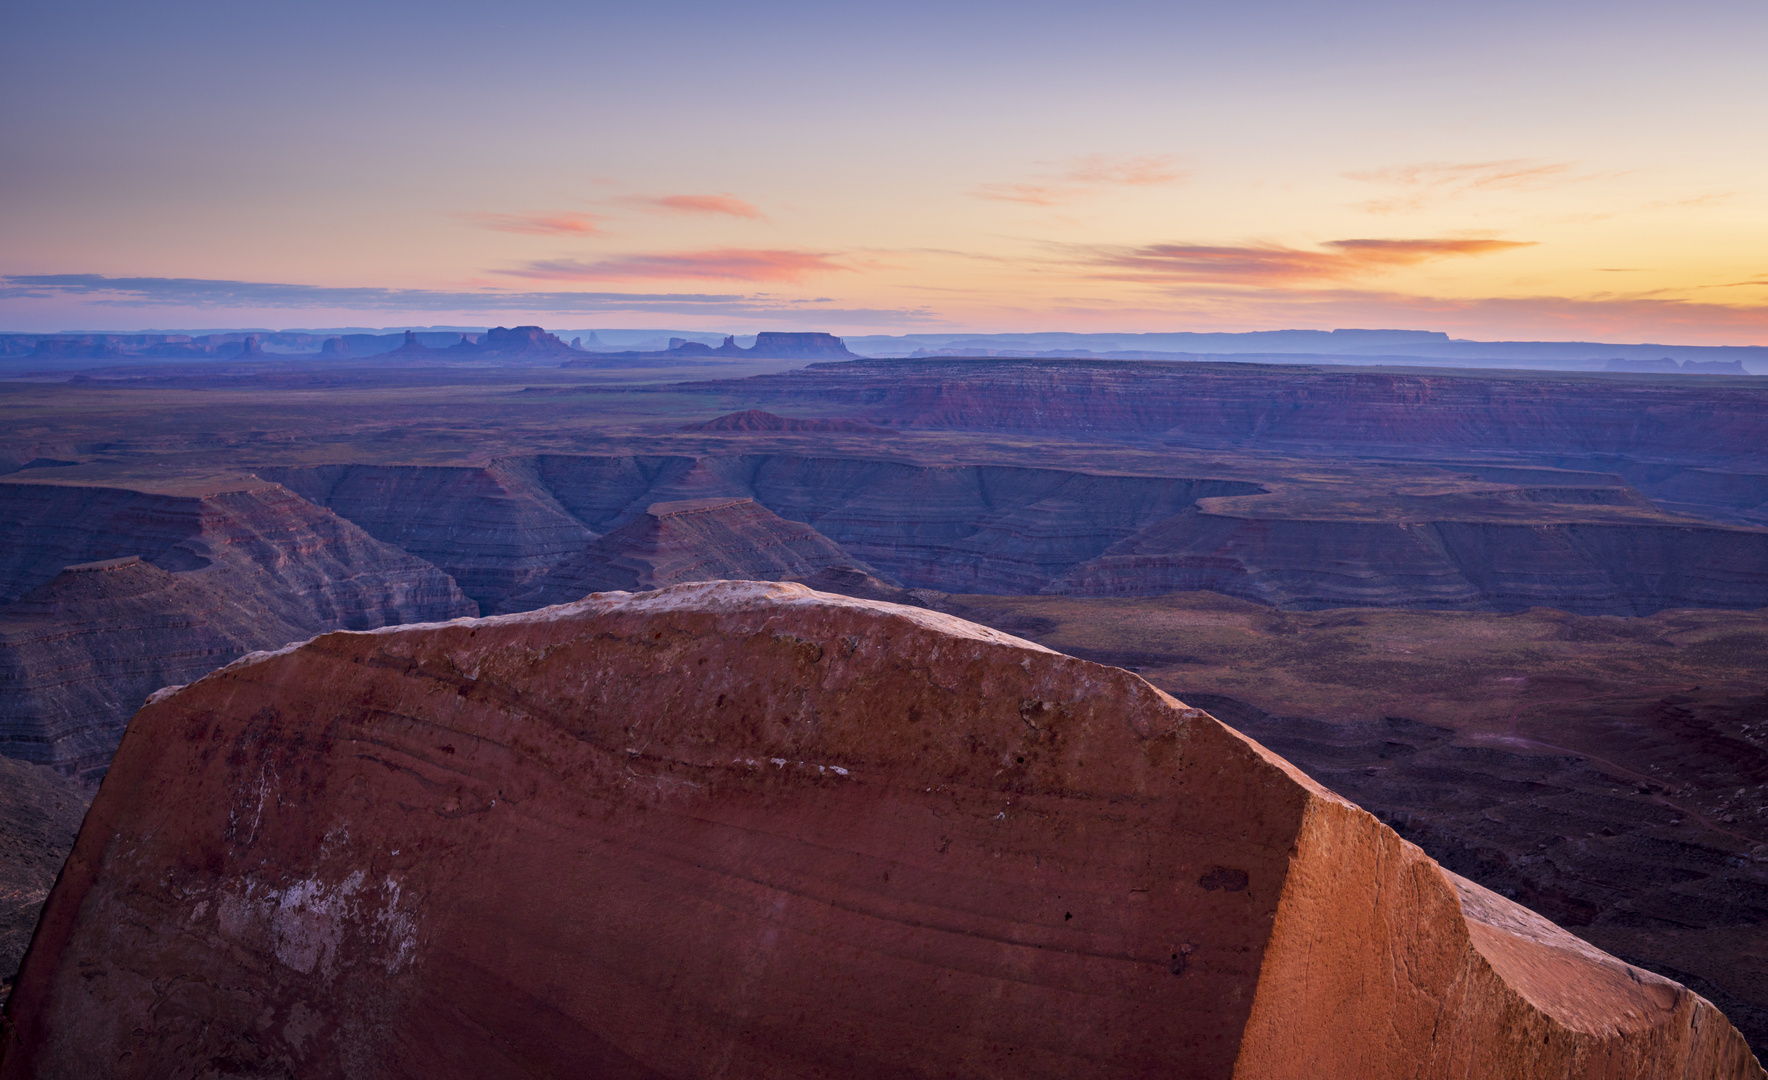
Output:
x=306 y=922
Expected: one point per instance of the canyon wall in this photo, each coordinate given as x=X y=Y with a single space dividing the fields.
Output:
x=1313 y=563
x=522 y=531
x=691 y=540
x=163 y=587
x=748 y=830
x=1352 y=412
x=982 y=528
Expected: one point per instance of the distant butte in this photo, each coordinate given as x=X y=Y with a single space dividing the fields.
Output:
x=743 y=829
x=771 y=345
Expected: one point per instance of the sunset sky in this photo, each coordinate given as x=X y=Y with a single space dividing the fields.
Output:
x=1571 y=170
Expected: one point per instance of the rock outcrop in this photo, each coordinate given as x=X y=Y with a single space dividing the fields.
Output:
x=109 y=593
x=690 y=540
x=742 y=829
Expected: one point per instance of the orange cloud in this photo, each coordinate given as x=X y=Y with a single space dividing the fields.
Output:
x=742 y=264
x=1088 y=176
x=1420 y=184
x=1272 y=264
x=559 y=224
x=729 y=205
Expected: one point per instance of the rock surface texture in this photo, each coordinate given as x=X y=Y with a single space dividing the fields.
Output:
x=743 y=829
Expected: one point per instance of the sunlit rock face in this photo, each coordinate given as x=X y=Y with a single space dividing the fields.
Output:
x=744 y=829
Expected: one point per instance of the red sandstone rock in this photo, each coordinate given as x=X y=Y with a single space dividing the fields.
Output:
x=743 y=829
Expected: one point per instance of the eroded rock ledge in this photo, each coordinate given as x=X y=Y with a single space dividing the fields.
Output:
x=745 y=829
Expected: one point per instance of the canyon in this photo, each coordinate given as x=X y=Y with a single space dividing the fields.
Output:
x=109 y=593
x=1390 y=535
x=747 y=829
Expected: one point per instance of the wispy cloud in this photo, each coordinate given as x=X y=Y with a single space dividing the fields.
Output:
x=738 y=264
x=554 y=224
x=1086 y=176
x=727 y=204
x=1275 y=264
x=98 y=292
x=1414 y=186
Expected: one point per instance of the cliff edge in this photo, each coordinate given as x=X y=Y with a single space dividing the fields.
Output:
x=744 y=829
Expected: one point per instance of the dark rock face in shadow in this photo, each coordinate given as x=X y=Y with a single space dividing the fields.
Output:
x=40 y=813
x=747 y=830
x=161 y=589
x=690 y=540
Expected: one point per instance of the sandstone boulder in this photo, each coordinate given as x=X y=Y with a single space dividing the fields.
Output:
x=744 y=829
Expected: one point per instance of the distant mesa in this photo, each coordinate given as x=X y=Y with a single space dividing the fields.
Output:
x=517 y=343
x=1667 y=366
x=71 y=348
x=521 y=344
x=770 y=345
x=759 y=421
x=776 y=346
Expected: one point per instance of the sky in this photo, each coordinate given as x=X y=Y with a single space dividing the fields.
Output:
x=1501 y=170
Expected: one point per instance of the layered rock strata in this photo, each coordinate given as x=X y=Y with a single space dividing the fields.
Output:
x=166 y=587
x=977 y=528
x=490 y=531
x=1308 y=563
x=1288 y=406
x=744 y=829
x=690 y=540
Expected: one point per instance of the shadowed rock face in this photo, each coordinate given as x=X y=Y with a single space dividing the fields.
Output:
x=690 y=540
x=747 y=830
x=164 y=587
x=40 y=812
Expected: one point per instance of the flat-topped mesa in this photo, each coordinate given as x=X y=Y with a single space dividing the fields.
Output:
x=743 y=829
x=776 y=345
x=690 y=540
x=529 y=343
